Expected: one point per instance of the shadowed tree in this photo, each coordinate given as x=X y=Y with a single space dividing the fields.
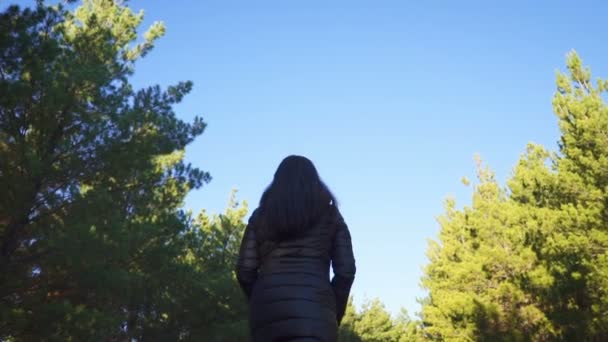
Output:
x=214 y=252
x=92 y=178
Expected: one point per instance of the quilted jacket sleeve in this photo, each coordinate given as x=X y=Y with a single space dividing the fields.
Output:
x=343 y=264
x=248 y=262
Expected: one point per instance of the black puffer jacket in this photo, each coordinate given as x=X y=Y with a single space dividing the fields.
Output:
x=287 y=282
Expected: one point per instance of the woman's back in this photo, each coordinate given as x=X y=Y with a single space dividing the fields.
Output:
x=291 y=296
x=289 y=244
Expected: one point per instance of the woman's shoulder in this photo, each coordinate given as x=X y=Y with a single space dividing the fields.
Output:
x=332 y=216
x=255 y=217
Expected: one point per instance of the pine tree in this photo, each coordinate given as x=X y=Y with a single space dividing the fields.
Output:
x=92 y=178
x=569 y=190
x=347 y=333
x=529 y=262
x=374 y=323
x=405 y=329
x=477 y=271
x=213 y=252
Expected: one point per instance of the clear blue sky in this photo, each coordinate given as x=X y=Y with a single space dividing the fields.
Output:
x=390 y=99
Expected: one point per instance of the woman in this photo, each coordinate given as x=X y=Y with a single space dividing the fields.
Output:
x=283 y=266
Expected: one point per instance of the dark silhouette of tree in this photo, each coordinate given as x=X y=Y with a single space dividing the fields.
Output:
x=92 y=177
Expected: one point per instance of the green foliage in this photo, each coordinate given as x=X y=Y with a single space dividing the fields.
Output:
x=529 y=262
x=476 y=274
x=215 y=248
x=374 y=323
x=91 y=235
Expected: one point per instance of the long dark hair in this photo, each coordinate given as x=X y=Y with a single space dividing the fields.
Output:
x=295 y=200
